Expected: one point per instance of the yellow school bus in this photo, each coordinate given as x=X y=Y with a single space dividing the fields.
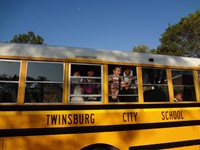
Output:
x=69 y=98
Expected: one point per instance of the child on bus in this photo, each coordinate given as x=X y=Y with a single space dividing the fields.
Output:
x=76 y=88
x=178 y=96
x=115 y=83
x=115 y=77
x=113 y=93
x=90 y=86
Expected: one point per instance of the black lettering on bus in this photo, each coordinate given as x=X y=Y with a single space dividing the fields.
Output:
x=163 y=114
x=172 y=115
x=58 y=119
x=123 y=117
x=70 y=119
x=175 y=114
x=129 y=116
x=81 y=118
x=182 y=115
x=92 y=118
x=48 y=119
x=75 y=119
x=64 y=119
x=135 y=116
x=53 y=119
x=87 y=119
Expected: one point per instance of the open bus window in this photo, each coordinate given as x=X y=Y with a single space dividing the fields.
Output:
x=85 y=83
x=122 y=83
x=183 y=82
x=44 y=82
x=155 y=85
x=9 y=79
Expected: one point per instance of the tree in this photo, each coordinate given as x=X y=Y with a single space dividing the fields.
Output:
x=141 y=49
x=29 y=38
x=182 y=37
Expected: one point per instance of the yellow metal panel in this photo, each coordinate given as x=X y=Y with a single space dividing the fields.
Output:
x=66 y=83
x=96 y=118
x=196 y=85
x=80 y=118
x=105 y=84
x=121 y=140
x=22 y=82
x=140 y=87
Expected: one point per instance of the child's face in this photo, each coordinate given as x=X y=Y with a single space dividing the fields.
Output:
x=127 y=72
x=117 y=71
x=179 y=97
x=114 y=88
x=90 y=73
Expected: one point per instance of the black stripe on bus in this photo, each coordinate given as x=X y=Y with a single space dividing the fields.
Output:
x=94 y=129
x=166 y=145
x=94 y=107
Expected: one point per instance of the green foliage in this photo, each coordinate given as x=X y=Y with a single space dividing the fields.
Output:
x=182 y=37
x=144 y=49
x=29 y=38
x=141 y=49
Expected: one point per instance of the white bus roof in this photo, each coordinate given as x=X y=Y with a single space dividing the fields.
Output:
x=61 y=52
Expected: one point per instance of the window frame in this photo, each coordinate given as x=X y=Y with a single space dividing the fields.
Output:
x=165 y=85
x=60 y=101
x=13 y=101
x=70 y=76
x=185 y=85
x=134 y=72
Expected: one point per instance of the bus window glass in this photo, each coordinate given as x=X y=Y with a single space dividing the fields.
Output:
x=122 y=83
x=85 y=83
x=183 y=82
x=9 y=79
x=44 y=82
x=155 y=85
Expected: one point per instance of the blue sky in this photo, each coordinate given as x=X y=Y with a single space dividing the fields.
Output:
x=104 y=24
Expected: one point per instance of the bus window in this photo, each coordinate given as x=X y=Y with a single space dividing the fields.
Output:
x=183 y=82
x=85 y=83
x=198 y=75
x=155 y=85
x=44 y=82
x=9 y=79
x=122 y=83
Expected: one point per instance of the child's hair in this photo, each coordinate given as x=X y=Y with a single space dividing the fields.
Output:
x=77 y=73
x=117 y=67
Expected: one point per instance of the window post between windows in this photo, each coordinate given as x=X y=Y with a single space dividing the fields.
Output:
x=22 y=82
x=197 y=84
x=140 y=86
x=105 y=84
x=66 y=83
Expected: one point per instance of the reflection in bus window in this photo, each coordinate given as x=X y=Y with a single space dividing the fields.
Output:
x=183 y=82
x=85 y=83
x=122 y=83
x=44 y=82
x=155 y=85
x=9 y=79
